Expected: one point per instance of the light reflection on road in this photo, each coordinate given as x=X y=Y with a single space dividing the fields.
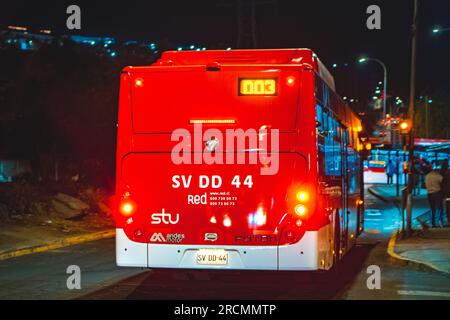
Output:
x=379 y=223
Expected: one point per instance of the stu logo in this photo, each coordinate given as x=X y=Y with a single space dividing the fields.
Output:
x=164 y=218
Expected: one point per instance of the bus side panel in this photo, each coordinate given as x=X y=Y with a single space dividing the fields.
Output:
x=352 y=219
x=124 y=137
x=128 y=252
x=313 y=252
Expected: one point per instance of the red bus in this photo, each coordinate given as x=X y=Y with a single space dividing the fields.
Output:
x=239 y=159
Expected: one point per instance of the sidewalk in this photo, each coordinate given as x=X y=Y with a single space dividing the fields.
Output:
x=33 y=234
x=429 y=247
x=420 y=208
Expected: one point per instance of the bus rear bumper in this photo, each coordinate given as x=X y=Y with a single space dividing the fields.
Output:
x=302 y=255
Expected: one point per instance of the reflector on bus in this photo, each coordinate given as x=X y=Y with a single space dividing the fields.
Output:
x=212 y=121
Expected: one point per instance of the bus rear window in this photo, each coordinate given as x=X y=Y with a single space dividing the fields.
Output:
x=166 y=100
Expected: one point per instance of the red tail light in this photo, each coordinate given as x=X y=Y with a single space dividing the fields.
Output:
x=302 y=196
x=301 y=210
x=303 y=202
x=127 y=207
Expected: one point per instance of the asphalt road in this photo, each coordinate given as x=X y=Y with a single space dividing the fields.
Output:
x=43 y=276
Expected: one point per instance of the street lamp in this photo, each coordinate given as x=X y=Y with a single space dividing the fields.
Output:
x=437 y=30
x=365 y=59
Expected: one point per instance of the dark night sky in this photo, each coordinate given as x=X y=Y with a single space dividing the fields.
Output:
x=334 y=29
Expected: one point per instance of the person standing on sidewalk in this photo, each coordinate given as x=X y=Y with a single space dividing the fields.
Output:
x=433 y=181
x=390 y=169
x=445 y=172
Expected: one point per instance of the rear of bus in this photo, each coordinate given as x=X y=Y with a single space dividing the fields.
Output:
x=176 y=208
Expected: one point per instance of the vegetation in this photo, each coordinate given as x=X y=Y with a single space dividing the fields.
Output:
x=438 y=124
x=58 y=108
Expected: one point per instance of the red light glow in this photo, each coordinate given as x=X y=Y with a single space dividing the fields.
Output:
x=300 y=210
x=127 y=208
x=302 y=196
x=290 y=81
x=139 y=83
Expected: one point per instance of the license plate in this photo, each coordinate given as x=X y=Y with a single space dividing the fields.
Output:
x=212 y=257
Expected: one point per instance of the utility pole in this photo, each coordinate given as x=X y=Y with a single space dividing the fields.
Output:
x=412 y=94
x=397 y=175
x=246 y=22
x=427 y=128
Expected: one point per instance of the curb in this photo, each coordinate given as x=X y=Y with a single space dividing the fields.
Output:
x=56 y=244
x=393 y=240
x=391 y=252
x=392 y=201
x=376 y=194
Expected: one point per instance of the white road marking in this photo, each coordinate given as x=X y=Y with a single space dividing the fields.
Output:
x=423 y=293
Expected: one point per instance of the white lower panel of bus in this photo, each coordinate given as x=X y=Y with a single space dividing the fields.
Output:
x=130 y=253
x=307 y=254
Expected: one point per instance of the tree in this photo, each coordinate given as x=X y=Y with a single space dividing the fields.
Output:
x=59 y=108
x=438 y=116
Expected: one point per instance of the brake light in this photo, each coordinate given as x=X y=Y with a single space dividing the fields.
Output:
x=303 y=201
x=127 y=207
x=300 y=210
x=302 y=196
